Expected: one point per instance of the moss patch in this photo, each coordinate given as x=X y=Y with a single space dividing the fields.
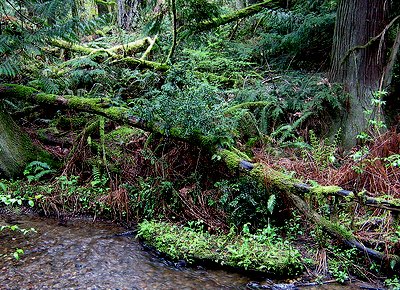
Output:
x=249 y=251
x=324 y=190
x=123 y=134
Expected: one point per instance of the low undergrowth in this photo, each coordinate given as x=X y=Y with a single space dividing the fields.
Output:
x=262 y=251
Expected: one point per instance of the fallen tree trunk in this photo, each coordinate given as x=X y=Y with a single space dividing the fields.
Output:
x=117 y=54
x=127 y=48
x=288 y=187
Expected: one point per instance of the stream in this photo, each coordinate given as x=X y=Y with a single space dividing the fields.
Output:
x=81 y=254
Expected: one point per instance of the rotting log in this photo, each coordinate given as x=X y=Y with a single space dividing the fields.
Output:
x=140 y=44
x=289 y=187
x=114 y=53
x=98 y=106
x=228 y=18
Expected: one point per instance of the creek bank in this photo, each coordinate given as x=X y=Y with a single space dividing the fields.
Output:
x=262 y=252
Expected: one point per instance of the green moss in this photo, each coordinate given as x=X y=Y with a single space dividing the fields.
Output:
x=336 y=229
x=231 y=159
x=18 y=91
x=279 y=180
x=249 y=251
x=123 y=134
x=241 y=155
x=324 y=190
x=116 y=112
x=389 y=200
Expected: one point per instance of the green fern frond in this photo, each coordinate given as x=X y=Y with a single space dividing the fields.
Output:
x=9 y=67
x=81 y=62
x=53 y=9
x=7 y=42
x=271 y=203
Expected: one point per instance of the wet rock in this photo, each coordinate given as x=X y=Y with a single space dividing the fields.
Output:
x=256 y=285
x=181 y=264
x=284 y=287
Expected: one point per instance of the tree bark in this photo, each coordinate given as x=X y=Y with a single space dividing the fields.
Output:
x=16 y=149
x=128 y=13
x=359 y=69
x=173 y=30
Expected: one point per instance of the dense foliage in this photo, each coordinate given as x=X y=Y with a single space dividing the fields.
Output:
x=256 y=86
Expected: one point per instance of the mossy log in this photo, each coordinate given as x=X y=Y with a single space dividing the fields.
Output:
x=16 y=149
x=290 y=188
x=228 y=18
x=97 y=106
x=130 y=47
x=117 y=54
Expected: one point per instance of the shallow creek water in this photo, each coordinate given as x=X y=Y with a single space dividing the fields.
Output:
x=86 y=255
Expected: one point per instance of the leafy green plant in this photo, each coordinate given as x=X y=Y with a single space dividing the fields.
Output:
x=35 y=170
x=393 y=160
x=244 y=201
x=341 y=263
x=186 y=106
x=15 y=228
x=18 y=253
x=393 y=283
x=13 y=194
x=322 y=152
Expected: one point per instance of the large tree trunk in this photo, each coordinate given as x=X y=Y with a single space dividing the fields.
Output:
x=357 y=62
x=128 y=13
x=16 y=149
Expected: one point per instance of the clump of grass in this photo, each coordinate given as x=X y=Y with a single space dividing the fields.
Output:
x=262 y=251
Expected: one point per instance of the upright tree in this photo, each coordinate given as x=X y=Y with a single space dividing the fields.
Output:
x=128 y=13
x=358 y=59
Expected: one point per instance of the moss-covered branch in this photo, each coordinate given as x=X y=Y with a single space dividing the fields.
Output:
x=98 y=106
x=116 y=53
x=228 y=18
x=127 y=48
x=149 y=48
x=392 y=205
